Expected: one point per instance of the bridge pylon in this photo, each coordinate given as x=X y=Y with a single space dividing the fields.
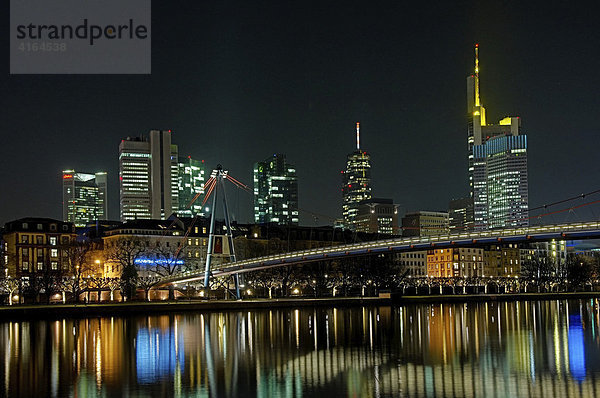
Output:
x=219 y=175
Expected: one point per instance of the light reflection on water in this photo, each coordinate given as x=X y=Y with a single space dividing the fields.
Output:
x=544 y=348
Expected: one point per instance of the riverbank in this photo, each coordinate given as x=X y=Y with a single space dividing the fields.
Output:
x=57 y=311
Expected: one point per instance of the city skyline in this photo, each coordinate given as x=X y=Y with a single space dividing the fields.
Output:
x=399 y=116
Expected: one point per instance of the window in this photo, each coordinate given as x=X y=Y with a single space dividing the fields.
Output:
x=54 y=252
x=25 y=266
x=65 y=240
x=24 y=238
x=52 y=240
x=54 y=265
x=40 y=265
x=40 y=227
x=52 y=227
x=65 y=227
x=39 y=239
x=24 y=225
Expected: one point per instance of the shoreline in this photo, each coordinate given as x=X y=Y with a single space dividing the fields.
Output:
x=58 y=311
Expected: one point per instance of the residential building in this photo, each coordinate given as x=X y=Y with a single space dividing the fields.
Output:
x=275 y=191
x=425 y=223
x=148 y=174
x=502 y=261
x=37 y=245
x=191 y=177
x=84 y=197
x=455 y=263
x=377 y=216
x=554 y=251
x=414 y=263
x=356 y=185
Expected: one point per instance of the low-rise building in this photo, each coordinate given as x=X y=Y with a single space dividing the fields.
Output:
x=455 y=263
x=414 y=263
x=502 y=261
x=377 y=216
x=36 y=245
x=425 y=223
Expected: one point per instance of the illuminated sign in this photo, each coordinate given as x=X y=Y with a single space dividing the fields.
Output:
x=67 y=176
x=158 y=261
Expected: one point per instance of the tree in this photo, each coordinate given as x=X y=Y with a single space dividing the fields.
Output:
x=538 y=271
x=124 y=253
x=78 y=264
x=10 y=286
x=98 y=284
x=50 y=281
x=167 y=262
x=113 y=285
x=579 y=270
x=145 y=283
x=265 y=279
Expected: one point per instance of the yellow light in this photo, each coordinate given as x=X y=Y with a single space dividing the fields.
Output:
x=476 y=113
x=507 y=121
x=295 y=291
x=249 y=292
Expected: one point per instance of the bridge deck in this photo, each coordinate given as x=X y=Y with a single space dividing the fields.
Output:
x=587 y=230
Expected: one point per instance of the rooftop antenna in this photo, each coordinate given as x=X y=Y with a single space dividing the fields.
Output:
x=357 y=136
x=477 y=74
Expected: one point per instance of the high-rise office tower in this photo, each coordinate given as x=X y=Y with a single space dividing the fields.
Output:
x=190 y=184
x=275 y=191
x=501 y=165
x=84 y=197
x=356 y=182
x=500 y=198
x=148 y=174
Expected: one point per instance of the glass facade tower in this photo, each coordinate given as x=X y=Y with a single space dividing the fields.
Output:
x=148 y=176
x=486 y=184
x=84 y=197
x=275 y=191
x=190 y=183
x=501 y=165
x=356 y=185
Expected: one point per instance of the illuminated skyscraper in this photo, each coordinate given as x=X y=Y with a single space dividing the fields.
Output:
x=190 y=183
x=148 y=176
x=498 y=171
x=356 y=182
x=275 y=191
x=84 y=197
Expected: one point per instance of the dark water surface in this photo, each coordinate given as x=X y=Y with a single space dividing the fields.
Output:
x=521 y=349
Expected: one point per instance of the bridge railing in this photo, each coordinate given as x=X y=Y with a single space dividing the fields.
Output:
x=378 y=244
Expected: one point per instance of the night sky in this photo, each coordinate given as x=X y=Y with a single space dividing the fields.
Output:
x=239 y=81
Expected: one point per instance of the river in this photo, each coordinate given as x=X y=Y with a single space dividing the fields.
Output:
x=517 y=349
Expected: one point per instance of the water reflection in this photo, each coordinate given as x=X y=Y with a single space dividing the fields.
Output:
x=546 y=348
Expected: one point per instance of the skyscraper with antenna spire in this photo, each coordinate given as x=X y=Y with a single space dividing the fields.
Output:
x=356 y=185
x=497 y=162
